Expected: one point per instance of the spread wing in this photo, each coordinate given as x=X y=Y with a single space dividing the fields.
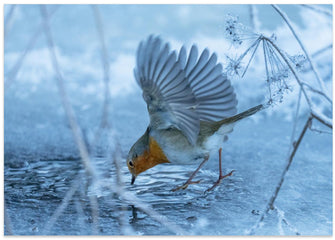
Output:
x=181 y=91
x=213 y=91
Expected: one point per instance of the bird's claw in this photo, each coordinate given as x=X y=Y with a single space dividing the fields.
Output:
x=185 y=185
x=217 y=183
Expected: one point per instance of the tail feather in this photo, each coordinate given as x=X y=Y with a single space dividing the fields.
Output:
x=226 y=125
x=242 y=115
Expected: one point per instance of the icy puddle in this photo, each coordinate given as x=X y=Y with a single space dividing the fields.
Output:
x=33 y=191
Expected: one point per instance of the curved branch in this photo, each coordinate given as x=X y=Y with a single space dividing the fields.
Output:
x=317 y=9
x=286 y=19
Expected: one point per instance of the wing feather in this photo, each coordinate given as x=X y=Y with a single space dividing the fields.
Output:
x=209 y=83
x=166 y=91
x=181 y=90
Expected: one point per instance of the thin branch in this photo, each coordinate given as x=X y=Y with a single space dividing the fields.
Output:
x=8 y=19
x=12 y=73
x=65 y=100
x=281 y=218
x=77 y=134
x=319 y=131
x=322 y=50
x=105 y=62
x=318 y=9
x=80 y=213
x=295 y=148
x=95 y=213
x=286 y=19
x=253 y=17
x=249 y=49
x=317 y=91
x=128 y=196
x=252 y=56
x=295 y=120
x=322 y=120
x=124 y=224
x=291 y=69
x=7 y=222
x=288 y=164
x=266 y=66
x=60 y=209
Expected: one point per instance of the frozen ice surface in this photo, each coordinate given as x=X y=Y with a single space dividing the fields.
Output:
x=42 y=161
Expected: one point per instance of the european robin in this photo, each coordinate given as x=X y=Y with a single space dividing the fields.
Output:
x=191 y=105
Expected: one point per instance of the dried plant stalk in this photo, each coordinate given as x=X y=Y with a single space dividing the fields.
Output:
x=288 y=22
x=78 y=138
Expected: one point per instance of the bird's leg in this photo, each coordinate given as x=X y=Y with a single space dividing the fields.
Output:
x=189 y=181
x=220 y=175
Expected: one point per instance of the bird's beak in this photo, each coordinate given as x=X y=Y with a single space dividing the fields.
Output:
x=133 y=177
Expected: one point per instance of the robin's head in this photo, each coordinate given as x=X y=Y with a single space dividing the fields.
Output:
x=144 y=154
x=136 y=161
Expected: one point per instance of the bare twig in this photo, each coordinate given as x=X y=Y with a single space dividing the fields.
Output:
x=291 y=69
x=253 y=17
x=318 y=9
x=80 y=213
x=288 y=164
x=128 y=196
x=8 y=223
x=95 y=213
x=322 y=50
x=255 y=43
x=295 y=120
x=266 y=67
x=319 y=131
x=77 y=134
x=326 y=122
x=12 y=73
x=252 y=56
x=281 y=218
x=286 y=19
x=105 y=63
x=317 y=91
x=106 y=66
x=65 y=202
x=124 y=225
x=8 y=19
x=302 y=85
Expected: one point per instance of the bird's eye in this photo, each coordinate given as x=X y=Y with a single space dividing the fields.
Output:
x=131 y=164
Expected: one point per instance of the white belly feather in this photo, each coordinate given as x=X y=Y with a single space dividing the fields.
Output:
x=178 y=150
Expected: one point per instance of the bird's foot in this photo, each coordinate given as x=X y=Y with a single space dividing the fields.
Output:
x=185 y=185
x=217 y=183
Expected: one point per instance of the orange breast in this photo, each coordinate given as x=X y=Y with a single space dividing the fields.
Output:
x=151 y=157
x=156 y=153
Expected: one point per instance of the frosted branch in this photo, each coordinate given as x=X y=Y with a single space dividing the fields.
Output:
x=318 y=9
x=105 y=63
x=281 y=218
x=128 y=196
x=322 y=50
x=8 y=19
x=269 y=206
x=60 y=209
x=77 y=134
x=7 y=222
x=64 y=97
x=289 y=24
